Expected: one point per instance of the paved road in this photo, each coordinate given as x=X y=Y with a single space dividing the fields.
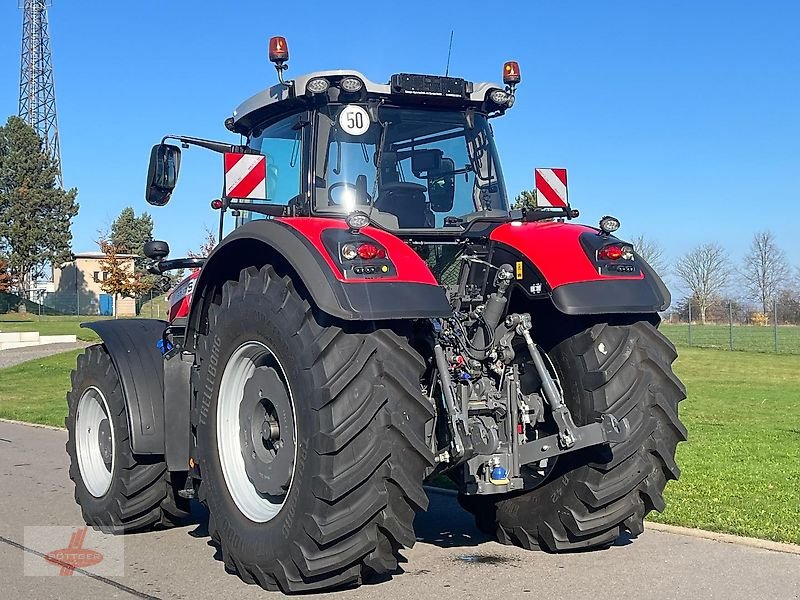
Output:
x=451 y=560
x=14 y=356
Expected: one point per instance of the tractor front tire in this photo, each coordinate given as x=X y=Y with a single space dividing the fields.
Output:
x=118 y=491
x=594 y=495
x=310 y=438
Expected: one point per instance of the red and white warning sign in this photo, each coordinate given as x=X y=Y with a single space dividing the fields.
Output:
x=551 y=187
x=245 y=175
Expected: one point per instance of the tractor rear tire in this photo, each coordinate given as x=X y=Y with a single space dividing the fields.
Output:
x=118 y=491
x=596 y=494
x=347 y=503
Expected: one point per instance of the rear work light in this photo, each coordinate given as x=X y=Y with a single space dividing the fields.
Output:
x=351 y=84
x=318 y=85
x=500 y=97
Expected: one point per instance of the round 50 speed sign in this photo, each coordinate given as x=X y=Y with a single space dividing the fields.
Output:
x=354 y=119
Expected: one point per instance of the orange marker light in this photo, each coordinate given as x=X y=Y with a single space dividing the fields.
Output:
x=511 y=75
x=278 y=49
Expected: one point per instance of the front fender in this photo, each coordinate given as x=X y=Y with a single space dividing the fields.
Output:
x=131 y=344
x=560 y=267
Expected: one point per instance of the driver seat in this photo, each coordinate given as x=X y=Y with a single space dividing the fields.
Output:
x=408 y=203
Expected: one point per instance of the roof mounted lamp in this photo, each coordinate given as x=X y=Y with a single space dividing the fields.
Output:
x=279 y=55
x=511 y=77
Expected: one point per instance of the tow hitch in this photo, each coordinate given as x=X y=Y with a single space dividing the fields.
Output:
x=609 y=429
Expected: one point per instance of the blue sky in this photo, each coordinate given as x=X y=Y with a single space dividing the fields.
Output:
x=681 y=118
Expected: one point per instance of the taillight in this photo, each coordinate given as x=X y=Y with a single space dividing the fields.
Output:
x=349 y=251
x=615 y=252
x=364 y=251
x=367 y=251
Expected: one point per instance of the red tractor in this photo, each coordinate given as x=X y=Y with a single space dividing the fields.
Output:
x=379 y=316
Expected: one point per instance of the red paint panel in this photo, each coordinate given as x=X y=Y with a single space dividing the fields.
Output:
x=410 y=267
x=180 y=297
x=555 y=249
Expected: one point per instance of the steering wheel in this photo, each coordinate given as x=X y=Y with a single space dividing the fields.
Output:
x=357 y=190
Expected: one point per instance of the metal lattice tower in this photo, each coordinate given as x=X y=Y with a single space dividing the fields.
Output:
x=37 y=93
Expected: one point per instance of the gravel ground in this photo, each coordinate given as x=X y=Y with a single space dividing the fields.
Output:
x=14 y=356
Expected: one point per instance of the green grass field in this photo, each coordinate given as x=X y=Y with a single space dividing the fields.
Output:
x=35 y=391
x=741 y=465
x=746 y=338
x=49 y=325
x=157 y=308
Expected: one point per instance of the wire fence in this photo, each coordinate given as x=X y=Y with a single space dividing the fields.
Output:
x=732 y=326
x=152 y=305
x=723 y=326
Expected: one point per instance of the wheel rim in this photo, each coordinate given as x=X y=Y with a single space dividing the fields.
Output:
x=94 y=441
x=256 y=431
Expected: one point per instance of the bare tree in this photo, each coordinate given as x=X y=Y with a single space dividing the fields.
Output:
x=207 y=245
x=652 y=252
x=705 y=271
x=765 y=270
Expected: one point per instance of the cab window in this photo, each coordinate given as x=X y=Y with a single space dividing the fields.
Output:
x=281 y=144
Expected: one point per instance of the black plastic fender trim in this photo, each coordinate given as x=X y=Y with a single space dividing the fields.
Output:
x=131 y=344
x=351 y=301
x=646 y=295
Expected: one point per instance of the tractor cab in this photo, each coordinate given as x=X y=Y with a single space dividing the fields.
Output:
x=415 y=154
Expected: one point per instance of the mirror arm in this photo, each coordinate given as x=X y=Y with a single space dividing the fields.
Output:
x=162 y=266
x=221 y=147
x=269 y=210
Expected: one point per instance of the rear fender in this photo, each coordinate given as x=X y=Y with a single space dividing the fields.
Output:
x=309 y=246
x=131 y=344
x=555 y=262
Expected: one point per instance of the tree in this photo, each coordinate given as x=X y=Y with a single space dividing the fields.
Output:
x=206 y=246
x=6 y=280
x=765 y=270
x=526 y=200
x=705 y=272
x=129 y=232
x=121 y=278
x=35 y=214
x=652 y=252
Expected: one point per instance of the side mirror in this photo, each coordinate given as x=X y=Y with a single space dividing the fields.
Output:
x=156 y=249
x=162 y=174
x=426 y=161
x=442 y=186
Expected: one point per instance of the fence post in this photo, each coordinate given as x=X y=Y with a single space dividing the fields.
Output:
x=690 y=323
x=730 y=324
x=775 y=323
